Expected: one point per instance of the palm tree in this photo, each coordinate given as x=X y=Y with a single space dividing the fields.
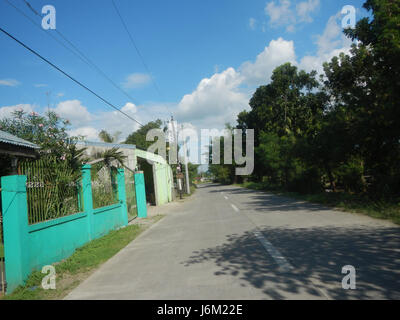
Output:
x=108 y=137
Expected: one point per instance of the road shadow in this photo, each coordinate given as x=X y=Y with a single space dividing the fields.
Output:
x=317 y=255
x=271 y=202
x=264 y=201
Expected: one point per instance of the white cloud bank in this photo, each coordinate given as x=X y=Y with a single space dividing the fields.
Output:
x=216 y=100
x=220 y=98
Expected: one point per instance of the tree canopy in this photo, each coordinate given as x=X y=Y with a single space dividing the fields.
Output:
x=138 y=137
x=340 y=130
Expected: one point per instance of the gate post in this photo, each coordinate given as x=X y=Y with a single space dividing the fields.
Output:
x=140 y=195
x=122 y=194
x=15 y=230
x=87 y=196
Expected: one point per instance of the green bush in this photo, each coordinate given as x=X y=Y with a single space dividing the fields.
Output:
x=309 y=181
x=350 y=176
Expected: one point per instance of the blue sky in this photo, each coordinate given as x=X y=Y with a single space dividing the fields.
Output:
x=206 y=57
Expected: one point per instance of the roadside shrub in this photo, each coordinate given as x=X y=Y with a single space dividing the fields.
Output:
x=309 y=181
x=350 y=176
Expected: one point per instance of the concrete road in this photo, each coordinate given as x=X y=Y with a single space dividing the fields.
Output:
x=226 y=242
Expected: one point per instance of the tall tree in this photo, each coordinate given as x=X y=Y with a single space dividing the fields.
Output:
x=138 y=137
x=364 y=88
x=290 y=106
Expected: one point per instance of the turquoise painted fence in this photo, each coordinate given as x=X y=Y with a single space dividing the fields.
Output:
x=30 y=247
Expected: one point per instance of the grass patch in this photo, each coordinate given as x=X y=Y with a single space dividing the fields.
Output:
x=389 y=210
x=83 y=262
x=192 y=190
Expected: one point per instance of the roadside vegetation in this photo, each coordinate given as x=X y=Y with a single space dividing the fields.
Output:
x=82 y=263
x=192 y=191
x=333 y=139
x=340 y=200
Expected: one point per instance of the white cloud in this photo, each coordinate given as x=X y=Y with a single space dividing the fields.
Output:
x=252 y=23
x=216 y=100
x=89 y=133
x=329 y=44
x=129 y=108
x=6 y=111
x=136 y=80
x=304 y=9
x=282 y=13
x=276 y=53
x=112 y=121
x=40 y=85
x=9 y=82
x=73 y=111
x=290 y=28
x=221 y=97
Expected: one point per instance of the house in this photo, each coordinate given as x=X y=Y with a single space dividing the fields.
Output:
x=157 y=173
x=16 y=148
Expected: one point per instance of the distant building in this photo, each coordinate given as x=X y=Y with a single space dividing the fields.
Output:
x=157 y=172
x=16 y=148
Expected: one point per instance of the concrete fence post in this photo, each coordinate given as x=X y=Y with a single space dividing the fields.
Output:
x=15 y=230
x=122 y=194
x=140 y=194
x=87 y=197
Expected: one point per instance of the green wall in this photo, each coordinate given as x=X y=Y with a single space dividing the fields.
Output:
x=30 y=247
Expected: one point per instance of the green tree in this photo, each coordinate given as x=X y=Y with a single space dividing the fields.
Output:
x=290 y=106
x=49 y=131
x=138 y=137
x=364 y=88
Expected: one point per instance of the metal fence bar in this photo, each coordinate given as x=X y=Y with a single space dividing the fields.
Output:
x=52 y=189
x=104 y=185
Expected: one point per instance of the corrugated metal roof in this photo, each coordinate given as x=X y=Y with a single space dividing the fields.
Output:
x=6 y=137
x=105 y=144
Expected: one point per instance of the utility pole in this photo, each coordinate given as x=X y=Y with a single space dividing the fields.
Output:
x=186 y=166
x=178 y=167
x=175 y=138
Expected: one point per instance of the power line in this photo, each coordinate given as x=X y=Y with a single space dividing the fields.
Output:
x=137 y=49
x=66 y=74
x=78 y=52
x=31 y=8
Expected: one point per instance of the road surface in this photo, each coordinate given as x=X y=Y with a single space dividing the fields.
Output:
x=227 y=242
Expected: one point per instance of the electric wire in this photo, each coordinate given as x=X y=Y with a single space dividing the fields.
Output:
x=67 y=75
